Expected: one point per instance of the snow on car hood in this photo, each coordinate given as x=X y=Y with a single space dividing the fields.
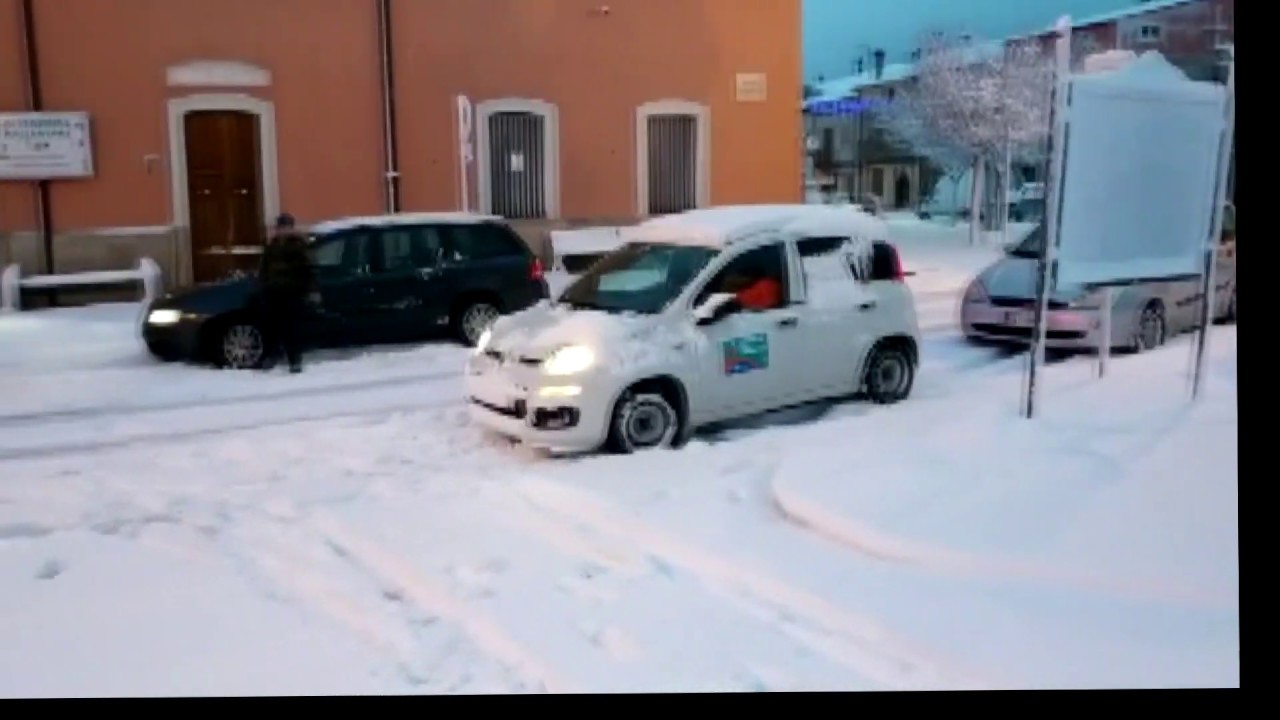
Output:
x=540 y=330
x=1015 y=277
x=625 y=343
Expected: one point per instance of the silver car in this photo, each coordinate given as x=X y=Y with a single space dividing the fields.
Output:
x=999 y=304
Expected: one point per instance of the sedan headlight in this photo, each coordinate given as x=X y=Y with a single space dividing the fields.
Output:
x=1089 y=301
x=975 y=292
x=569 y=360
x=164 y=317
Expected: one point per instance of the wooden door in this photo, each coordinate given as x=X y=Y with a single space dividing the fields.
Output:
x=224 y=190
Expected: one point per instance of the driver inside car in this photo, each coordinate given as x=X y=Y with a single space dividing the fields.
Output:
x=755 y=290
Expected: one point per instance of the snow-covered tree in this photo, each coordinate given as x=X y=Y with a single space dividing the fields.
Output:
x=970 y=105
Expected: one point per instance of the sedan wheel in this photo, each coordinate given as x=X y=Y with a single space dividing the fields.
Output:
x=242 y=346
x=1151 y=329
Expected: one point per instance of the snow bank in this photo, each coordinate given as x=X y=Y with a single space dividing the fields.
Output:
x=1128 y=501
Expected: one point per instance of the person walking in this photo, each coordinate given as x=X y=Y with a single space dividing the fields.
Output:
x=287 y=281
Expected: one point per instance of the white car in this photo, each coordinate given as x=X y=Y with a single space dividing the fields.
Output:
x=653 y=340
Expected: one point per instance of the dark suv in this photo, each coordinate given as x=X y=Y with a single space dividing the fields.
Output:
x=397 y=278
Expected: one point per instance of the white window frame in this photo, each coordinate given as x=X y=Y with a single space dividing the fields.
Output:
x=550 y=148
x=702 y=115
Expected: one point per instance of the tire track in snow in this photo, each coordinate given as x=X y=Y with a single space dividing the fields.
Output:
x=849 y=639
x=271 y=413
x=94 y=412
x=287 y=568
x=431 y=597
x=218 y=425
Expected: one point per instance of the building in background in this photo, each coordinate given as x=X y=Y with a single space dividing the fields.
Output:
x=851 y=155
x=208 y=117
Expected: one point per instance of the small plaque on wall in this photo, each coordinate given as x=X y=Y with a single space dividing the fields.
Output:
x=751 y=87
x=45 y=146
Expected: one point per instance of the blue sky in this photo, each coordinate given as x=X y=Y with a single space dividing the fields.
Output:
x=836 y=31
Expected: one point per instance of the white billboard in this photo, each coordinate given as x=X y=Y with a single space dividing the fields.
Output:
x=1138 y=186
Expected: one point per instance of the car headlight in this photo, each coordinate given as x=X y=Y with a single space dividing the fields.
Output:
x=1089 y=301
x=483 y=343
x=569 y=360
x=975 y=292
x=164 y=317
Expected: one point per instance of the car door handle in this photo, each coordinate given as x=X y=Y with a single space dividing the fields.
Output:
x=789 y=321
x=868 y=305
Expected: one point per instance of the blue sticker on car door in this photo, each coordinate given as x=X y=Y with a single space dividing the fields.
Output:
x=746 y=354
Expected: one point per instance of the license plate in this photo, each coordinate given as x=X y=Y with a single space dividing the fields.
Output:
x=1019 y=317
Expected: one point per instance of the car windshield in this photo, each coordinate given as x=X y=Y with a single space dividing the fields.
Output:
x=637 y=277
x=1031 y=246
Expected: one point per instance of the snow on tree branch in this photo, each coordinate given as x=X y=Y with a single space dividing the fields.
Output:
x=969 y=100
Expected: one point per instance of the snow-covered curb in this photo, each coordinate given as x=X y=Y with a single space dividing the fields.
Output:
x=864 y=539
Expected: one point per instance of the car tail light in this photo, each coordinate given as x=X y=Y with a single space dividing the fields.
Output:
x=535 y=270
x=898 y=274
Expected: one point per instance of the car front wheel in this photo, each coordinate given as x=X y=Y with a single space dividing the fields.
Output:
x=642 y=421
x=241 y=345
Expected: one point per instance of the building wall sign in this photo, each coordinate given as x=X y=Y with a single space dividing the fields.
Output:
x=751 y=87
x=45 y=146
x=843 y=108
x=217 y=74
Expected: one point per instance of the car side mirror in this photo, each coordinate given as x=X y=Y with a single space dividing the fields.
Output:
x=715 y=308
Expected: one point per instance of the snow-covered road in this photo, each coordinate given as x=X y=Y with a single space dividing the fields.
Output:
x=173 y=530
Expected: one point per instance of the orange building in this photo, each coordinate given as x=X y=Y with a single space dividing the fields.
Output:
x=209 y=117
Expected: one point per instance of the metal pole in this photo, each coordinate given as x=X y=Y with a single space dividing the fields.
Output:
x=35 y=98
x=1208 y=290
x=464 y=149
x=392 y=171
x=1008 y=186
x=1053 y=194
x=1104 y=351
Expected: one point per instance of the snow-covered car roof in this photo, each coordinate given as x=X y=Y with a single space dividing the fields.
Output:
x=453 y=218
x=720 y=227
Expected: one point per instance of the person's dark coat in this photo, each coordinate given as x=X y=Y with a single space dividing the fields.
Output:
x=286 y=268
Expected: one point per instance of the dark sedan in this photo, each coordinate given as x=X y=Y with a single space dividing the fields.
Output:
x=397 y=278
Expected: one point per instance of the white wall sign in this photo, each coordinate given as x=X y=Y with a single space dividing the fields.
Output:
x=1140 y=173
x=45 y=146
x=517 y=162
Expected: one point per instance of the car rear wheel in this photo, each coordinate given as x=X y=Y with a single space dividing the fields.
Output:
x=1151 y=330
x=472 y=319
x=642 y=421
x=241 y=345
x=889 y=376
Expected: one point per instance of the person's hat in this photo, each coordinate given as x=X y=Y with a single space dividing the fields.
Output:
x=284 y=220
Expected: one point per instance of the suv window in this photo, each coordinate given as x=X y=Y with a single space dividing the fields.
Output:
x=341 y=255
x=743 y=273
x=484 y=241
x=409 y=248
